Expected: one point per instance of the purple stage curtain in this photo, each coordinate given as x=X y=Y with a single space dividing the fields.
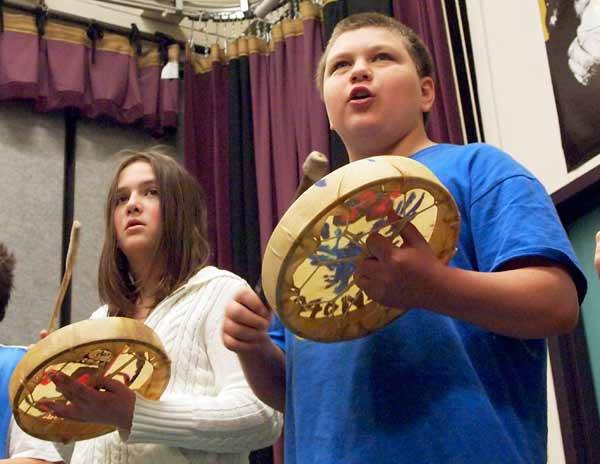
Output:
x=61 y=69
x=206 y=142
x=289 y=118
x=426 y=18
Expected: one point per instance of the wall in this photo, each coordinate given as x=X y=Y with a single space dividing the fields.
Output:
x=31 y=169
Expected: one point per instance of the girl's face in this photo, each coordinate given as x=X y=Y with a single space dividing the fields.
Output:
x=136 y=215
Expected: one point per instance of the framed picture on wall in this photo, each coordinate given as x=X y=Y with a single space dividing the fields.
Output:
x=572 y=34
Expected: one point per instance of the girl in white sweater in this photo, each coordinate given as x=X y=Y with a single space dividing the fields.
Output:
x=153 y=268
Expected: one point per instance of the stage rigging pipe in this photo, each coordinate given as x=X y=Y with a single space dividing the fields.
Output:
x=265 y=7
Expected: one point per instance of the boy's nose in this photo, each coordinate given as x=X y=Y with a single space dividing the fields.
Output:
x=361 y=72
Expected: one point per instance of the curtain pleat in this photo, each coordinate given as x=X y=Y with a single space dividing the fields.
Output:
x=242 y=174
x=260 y=85
x=206 y=142
x=282 y=102
x=311 y=117
x=336 y=10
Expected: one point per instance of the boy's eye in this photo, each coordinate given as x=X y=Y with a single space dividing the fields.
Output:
x=338 y=65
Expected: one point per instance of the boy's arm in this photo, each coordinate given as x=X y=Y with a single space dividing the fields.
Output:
x=24 y=461
x=245 y=332
x=25 y=449
x=528 y=298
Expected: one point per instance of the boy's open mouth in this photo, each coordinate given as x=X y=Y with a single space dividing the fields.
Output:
x=360 y=93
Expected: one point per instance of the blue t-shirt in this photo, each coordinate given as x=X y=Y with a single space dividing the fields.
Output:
x=9 y=358
x=428 y=388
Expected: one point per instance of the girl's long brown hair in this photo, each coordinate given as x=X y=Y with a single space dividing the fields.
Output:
x=182 y=248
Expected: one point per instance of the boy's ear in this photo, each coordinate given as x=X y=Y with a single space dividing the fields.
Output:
x=427 y=93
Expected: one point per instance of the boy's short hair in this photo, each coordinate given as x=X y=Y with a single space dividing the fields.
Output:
x=7 y=265
x=416 y=48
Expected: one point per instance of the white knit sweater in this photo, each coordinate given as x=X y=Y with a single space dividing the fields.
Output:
x=208 y=413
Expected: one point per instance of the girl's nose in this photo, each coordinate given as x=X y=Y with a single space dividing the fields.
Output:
x=133 y=205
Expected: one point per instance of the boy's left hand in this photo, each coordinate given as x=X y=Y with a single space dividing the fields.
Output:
x=399 y=277
x=114 y=406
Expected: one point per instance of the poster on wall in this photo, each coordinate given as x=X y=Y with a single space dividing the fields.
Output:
x=572 y=33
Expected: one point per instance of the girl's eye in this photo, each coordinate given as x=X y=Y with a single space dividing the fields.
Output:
x=383 y=57
x=120 y=199
x=152 y=192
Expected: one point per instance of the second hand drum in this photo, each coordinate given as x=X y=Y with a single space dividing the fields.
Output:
x=310 y=259
x=118 y=348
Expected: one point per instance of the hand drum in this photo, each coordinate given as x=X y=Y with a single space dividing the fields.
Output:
x=116 y=347
x=310 y=259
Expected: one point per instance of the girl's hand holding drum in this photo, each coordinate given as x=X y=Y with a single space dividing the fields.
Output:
x=106 y=401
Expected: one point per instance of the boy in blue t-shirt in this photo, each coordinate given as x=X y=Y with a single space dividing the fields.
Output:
x=461 y=377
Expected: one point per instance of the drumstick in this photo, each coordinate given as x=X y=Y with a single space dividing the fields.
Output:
x=69 y=264
x=315 y=167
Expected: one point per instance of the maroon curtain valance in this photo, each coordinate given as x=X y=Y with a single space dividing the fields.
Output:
x=63 y=68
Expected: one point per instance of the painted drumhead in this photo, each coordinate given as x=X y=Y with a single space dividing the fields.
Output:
x=119 y=348
x=310 y=259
